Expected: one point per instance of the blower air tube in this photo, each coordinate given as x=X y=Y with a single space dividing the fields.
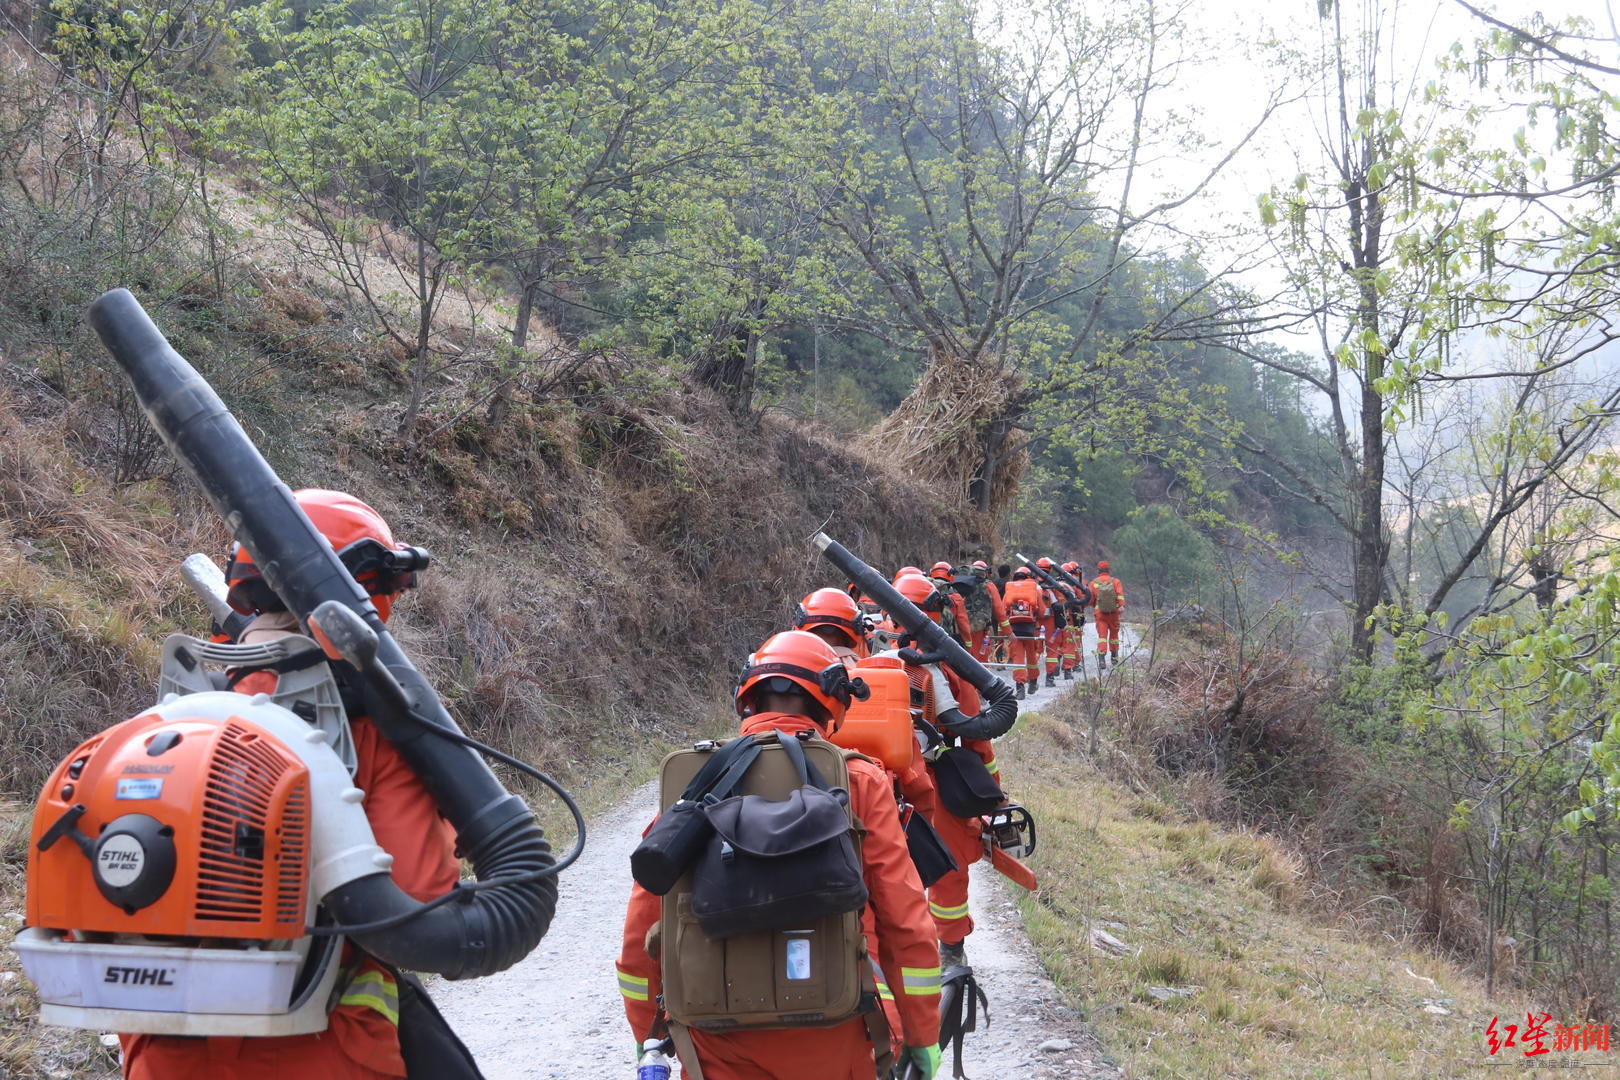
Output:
x=1067 y=577
x=492 y=927
x=1003 y=710
x=1045 y=578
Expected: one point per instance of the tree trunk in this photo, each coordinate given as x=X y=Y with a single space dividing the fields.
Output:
x=1371 y=553
x=728 y=368
x=501 y=403
x=1546 y=577
x=982 y=488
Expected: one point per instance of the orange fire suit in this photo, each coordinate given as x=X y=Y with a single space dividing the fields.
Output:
x=998 y=623
x=1051 y=631
x=1108 y=621
x=1026 y=607
x=898 y=933
x=1066 y=641
x=958 y=609
x=948 y=897
x=361 y=1041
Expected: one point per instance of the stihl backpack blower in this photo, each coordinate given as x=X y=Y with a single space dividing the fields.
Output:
x=194 y=870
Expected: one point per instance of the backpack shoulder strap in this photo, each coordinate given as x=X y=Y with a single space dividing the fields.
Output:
x=682 y=1038
x=723 y=771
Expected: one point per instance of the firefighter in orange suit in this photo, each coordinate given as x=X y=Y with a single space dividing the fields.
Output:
x=959 y=627
x=1108 y=597
x=1055 y=626
x=1025 y=603
x=788 y=696
x=998 y=614
x=361 y=1041
x=1073 y=654
x=945 y=696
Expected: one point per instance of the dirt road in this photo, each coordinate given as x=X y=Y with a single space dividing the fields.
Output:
x=557 y=1015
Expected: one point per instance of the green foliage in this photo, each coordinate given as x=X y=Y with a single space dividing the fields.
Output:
x=1165 y=559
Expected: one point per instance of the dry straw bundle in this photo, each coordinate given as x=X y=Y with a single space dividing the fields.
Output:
x=938 y=434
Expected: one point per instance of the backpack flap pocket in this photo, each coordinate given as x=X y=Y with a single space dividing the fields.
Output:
x=774 y=865
x=929 y=854
x=966 y=788
x=750 y=982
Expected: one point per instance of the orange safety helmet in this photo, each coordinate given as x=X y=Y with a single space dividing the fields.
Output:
x=836 y=609
x=1071 y=567
x=1022 y=572
x=920 y=591
x=362 y=540
x=903 y=571
x=980 y=564
x=1044 y=563
x=798 y=661
x=941 y=571
x=1102 y=566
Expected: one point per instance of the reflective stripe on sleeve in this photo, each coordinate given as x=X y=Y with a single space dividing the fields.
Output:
x=632 y=986
x=940 y=912
x=882 y=987
x=919 y=980
x=373 y=990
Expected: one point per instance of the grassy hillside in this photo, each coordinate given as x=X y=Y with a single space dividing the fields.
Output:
x=1223 y=967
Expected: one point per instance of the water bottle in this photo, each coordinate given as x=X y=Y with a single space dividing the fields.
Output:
x=653 y=1064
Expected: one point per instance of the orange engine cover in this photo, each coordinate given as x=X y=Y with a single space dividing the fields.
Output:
x=174 y=827
x=880 y=727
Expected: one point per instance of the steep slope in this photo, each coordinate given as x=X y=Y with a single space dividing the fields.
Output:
x=1191 y=948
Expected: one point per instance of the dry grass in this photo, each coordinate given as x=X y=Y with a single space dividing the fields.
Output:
x=87 y=589
x=1278 y=993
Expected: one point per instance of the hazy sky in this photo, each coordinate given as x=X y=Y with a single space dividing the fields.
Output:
x=1229 y=67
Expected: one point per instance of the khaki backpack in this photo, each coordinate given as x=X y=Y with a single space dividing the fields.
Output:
x=817 y=975
x=1106 y=591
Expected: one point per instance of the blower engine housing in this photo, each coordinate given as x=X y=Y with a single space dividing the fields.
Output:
x=175 y=866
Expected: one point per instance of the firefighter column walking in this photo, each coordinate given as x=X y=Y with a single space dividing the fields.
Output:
x=1109 y=597
x=1026 y=607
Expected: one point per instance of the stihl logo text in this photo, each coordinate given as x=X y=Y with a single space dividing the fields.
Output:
x=129 y=976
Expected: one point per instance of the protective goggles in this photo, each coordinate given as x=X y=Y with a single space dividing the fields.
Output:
x=381 y=569
x=860 y=624
x=833 y=680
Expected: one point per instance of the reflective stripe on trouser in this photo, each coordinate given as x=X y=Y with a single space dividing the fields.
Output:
x=1054 y=648
x=1107 y=631
x=1071 y=647
x=633 y=987
x=948 y=899
x=1026 y=654
x=374 y=989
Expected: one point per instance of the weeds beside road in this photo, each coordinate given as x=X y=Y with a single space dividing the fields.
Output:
x=1226 y=970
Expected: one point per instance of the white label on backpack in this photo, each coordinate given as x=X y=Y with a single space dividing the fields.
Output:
x=798 y=958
